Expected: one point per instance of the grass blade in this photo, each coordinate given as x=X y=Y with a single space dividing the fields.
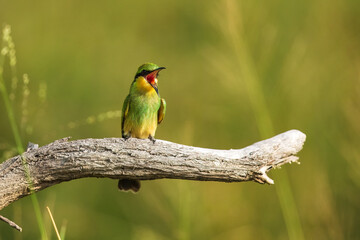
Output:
x=53 y=222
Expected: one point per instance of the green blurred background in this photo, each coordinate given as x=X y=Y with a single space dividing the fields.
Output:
x=237 y=72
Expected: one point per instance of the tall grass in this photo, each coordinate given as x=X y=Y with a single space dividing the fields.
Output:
x=231 y=26
x=24 y=103
x=95 y=119
x=8 y=49
x=350 y=149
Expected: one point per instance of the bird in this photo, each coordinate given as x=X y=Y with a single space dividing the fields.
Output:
x=142 y=111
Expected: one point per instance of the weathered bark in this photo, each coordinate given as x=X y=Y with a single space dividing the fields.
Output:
x=117 y=158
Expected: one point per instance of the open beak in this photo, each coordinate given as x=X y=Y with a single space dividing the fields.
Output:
x=156 y=71
x=152 y=76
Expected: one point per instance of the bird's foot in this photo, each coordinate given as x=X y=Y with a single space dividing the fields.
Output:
x=152 y=138
x=127 y=136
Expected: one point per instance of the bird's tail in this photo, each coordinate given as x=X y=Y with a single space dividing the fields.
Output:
x=129 y=184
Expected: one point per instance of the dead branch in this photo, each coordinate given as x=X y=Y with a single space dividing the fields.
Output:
x=117 y=158
x=11 y=223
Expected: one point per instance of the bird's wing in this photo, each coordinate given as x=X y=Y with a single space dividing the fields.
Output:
x=162 y=110
x=124 y=113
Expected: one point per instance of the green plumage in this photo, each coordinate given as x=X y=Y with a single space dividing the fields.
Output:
x=142 y=111
x=143 y=108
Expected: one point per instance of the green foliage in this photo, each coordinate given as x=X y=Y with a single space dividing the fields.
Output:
x=8 y=49
x=237 y=72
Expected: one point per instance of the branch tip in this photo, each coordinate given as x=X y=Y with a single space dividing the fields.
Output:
x=11 y=223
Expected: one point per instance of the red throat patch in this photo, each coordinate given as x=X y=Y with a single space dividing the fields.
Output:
x=151 y=77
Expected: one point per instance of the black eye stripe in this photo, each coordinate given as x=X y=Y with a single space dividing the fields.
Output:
x=142 y=73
